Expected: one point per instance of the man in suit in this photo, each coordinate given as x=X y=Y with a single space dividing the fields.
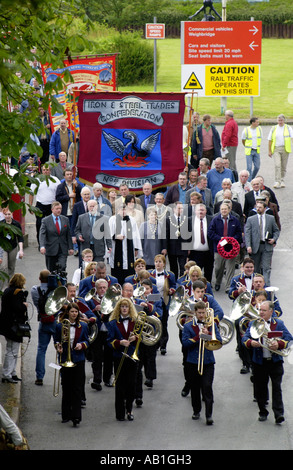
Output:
x=178 y=234
x=62 y=165
x=202 y=248
x=242 y=186
x=55 y=239
x=92 y=231
x=224 y=225
x=250 y=197
x=261 y=234
x=104 y=205
x=147 y=197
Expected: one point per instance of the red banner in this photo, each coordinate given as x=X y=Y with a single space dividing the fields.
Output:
x=91 y=73
x=131 y=137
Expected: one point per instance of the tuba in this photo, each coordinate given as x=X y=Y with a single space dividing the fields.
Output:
x=56 y=300
x=180 y=301
x=240 y=305
x=227 y=330
x=110 y=299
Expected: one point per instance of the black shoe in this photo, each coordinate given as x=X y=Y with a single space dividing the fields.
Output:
x=209 y=421
x=244 y=370
x=262 y=417
x=138 y=402
x=163 y=351
x=75 y=422
x=120 y=419
x=96 y=386
x=39 y=381
x=16 y=378
x=185 y=391
x=195 y=416
x=149 y=383
x=217 y=287
x=108 y=384
x=9 y=380
x=130 y=417
x=280 y=419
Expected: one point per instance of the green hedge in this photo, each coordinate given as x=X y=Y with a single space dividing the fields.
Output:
x=172 y=12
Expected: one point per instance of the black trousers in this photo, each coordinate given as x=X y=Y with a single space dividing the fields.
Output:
x=125 y=386
x=177 y=263
x=46 y=210
x=72 y=390
x=201 y=384
x=102 y=358
x=205 y=260
x=261 y=375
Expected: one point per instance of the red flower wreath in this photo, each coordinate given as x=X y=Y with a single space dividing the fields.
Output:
x=230 y=249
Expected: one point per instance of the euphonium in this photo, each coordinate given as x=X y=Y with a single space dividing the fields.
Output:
x=65 y=337
x=259 y=329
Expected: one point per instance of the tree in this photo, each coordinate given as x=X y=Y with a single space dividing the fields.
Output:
x=31 y=32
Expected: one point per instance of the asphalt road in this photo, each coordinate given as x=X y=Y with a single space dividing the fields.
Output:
x=164 y=421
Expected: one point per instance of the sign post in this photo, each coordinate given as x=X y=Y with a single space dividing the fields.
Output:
x=155 y=31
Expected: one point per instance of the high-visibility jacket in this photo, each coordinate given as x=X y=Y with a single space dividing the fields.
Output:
x=248 y=139
x=287 y=139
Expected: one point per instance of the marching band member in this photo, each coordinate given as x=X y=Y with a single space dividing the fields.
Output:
x=243 y=281
x=88 y=282
x=166 y=284
x=123 y=341
x=139 y=266
x=194 y=274
x=199 y=294
x=147 y=354
x=200 y=383
x=76 y=339
x=184 y=277
x=101 y=354
x=267 y=361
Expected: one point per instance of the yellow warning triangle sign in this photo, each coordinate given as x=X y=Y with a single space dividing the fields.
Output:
x=193 y=83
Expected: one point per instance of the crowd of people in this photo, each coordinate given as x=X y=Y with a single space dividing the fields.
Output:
x=214 y=229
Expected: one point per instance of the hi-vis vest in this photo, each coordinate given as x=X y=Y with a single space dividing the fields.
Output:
x=287 y=139
x=248 y=139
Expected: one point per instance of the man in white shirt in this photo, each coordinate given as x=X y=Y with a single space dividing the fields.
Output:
x=45 y=195
x=200 y=251
x=279 y=138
